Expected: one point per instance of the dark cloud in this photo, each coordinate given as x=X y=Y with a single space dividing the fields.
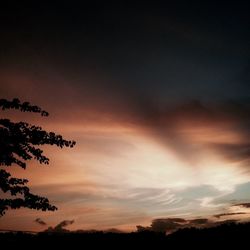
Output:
x=197 y=112
x=40 y=222
x=165 y=225
x=199 y=221
x=165 y=123
x=234 y=152
x=170 y=225
x=60 y=227
x=64 y=224
x=246 y=205
x=227 y=214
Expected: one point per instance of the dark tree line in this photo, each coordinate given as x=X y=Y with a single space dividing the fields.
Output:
x=19 y=143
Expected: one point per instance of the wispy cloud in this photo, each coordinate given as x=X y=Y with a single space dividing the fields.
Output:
x=40 y=222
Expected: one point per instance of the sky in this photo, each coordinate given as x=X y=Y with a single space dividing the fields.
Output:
x=157 y=97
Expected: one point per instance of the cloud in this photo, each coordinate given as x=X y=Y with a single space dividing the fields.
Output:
x=174 y=124
x=170 y=225
x=40 y=222
x=225 y=124
x=165 y=225
x=188 y=127
x=245 y=205
x=200 y=221
x=227 y=214
x=234 y=152
x=64 y=224
x=60 y=227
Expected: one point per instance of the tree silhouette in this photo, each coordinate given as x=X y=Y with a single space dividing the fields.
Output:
x=19 y=142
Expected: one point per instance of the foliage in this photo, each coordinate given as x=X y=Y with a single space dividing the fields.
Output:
x=19 y=143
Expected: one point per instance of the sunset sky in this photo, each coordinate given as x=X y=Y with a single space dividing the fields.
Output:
x=157 y=97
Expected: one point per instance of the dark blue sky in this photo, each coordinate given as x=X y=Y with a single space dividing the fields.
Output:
x=170 y=51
